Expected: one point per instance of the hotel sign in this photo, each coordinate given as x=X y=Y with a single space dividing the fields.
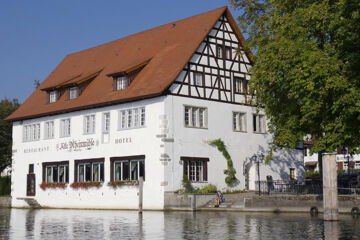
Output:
x=77 y=145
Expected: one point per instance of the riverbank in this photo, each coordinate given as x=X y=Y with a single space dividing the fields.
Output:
x=245 y=202
x=250 y=202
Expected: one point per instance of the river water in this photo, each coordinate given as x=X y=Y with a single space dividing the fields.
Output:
x=110 y=224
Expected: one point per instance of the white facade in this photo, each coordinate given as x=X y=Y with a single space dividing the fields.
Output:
x=168 y=136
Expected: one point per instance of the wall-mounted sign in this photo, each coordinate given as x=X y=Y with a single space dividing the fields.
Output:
x=77 y=145
x=36 y=149
x=123 y=140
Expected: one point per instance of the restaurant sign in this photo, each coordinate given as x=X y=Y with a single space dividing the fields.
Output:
x=77 y=145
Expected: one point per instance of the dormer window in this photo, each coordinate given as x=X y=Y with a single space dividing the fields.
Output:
x=73 y=92
x=52 y=96
x=121 y=82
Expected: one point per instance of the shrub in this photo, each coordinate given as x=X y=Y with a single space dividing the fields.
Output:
x=234 y=191
x=5 y=185
x=312 y=174
x=188 y=188
x=207 y=189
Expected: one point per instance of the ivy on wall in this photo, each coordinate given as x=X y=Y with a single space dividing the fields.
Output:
x=230 y=171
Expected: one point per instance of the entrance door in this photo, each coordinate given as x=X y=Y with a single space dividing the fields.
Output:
x=30 y=186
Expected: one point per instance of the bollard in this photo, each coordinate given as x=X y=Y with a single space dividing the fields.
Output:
x=330 y=194
x=141 y=182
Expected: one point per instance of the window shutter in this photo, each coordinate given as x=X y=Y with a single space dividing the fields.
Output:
x=205 y=171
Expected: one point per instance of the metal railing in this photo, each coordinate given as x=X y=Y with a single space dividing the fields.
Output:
x=299 y=187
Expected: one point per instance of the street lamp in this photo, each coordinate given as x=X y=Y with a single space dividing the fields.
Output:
x=346 y=156
x=258 y=158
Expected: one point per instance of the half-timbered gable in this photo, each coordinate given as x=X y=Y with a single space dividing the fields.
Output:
x=219 y=70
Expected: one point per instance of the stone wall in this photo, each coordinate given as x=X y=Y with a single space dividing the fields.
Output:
x=175 y=201
x=5 y=202
x=293 y=203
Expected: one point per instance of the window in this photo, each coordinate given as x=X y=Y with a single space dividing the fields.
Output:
x=31 y=132
x=228 y=52
x=132 y=118
x=89 y=124
x=53 y=96
x=219 y=51
x=106 y=122
x=292 y=173
x=195 y=117
x=49 y=130
x=129 y=168
x=239 y=122
x=91 y=170
x=357 y=165
x=121 y=83
x=240 y=85
x=65 y=127
x=198 y=79
x=259 y=123
x=56 y=172
x=195 y=168
x=73 y=92
x=345 y=165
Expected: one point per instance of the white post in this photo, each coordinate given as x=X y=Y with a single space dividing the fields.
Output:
x=141 y=182
x=330 y=194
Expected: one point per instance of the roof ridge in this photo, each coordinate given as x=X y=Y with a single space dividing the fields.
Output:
x=148 y=30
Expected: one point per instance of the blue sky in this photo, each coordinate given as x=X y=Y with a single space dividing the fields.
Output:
x=36 y=35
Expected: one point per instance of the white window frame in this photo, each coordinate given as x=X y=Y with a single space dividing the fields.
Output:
x=51 y=167
x=239 y=121
x=194 y=170
x=31 y=132
x=260 y=123
x=345 y=166
x=49 y=130
x=90 y=124
x=121 y=83
x=131 y=118
x=53 y=96
x=65 y=127
x=92 y=164
x=195 y=117
x=106 y=122
x=73 y=92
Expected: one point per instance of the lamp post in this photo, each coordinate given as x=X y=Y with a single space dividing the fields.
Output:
x=347 y=157
x=258 y=158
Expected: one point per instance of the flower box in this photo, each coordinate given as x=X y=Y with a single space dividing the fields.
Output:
x=85 y=185
x=116 y=184
x=45 y=185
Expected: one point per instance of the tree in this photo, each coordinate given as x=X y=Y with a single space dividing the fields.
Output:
x=306 y=72
x=6 y=108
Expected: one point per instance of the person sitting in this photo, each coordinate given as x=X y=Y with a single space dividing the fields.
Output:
x=219 y=198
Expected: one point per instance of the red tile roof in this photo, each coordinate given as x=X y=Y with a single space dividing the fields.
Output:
x=167 y=48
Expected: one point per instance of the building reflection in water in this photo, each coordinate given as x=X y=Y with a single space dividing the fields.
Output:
x=108 y=224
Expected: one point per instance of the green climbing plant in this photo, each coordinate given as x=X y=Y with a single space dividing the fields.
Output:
x=230 y=171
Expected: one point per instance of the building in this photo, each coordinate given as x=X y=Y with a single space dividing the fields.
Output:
x=344 y=161
x=146 y=105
